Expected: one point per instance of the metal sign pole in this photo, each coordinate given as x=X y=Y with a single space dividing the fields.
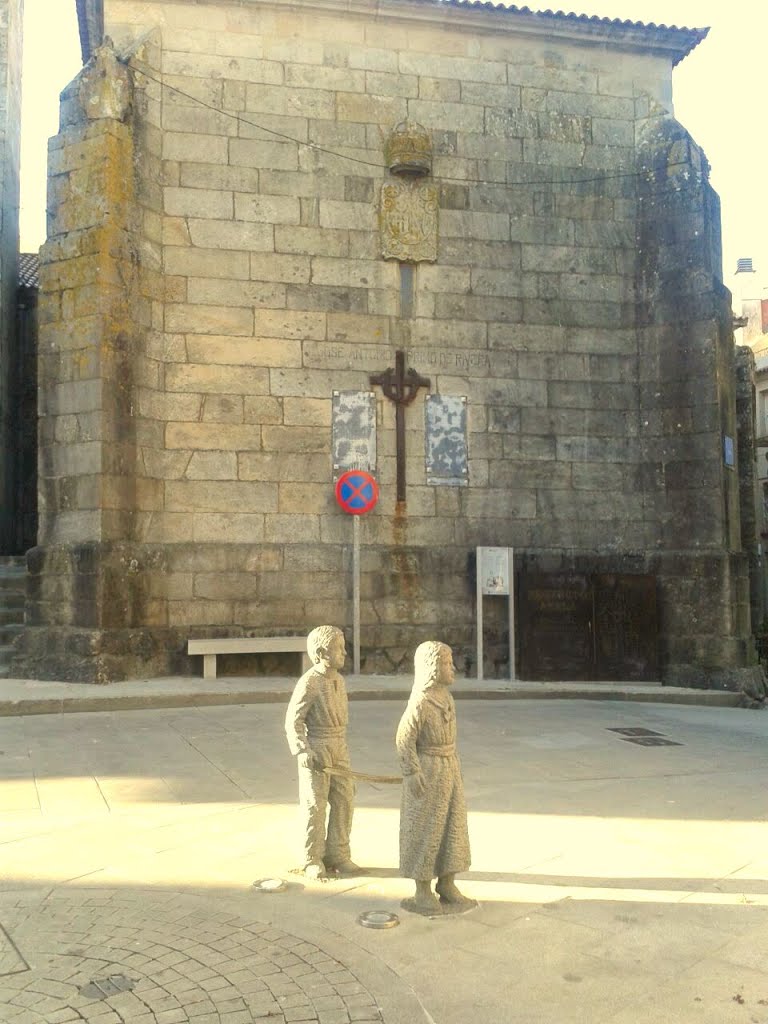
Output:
x=356 y=593
x=496 y=577
x=512 y=667
x=356 y=493
x=479 y=621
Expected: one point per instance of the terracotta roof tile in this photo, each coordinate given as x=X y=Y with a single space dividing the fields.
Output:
x=29 y=265
x=679 y=40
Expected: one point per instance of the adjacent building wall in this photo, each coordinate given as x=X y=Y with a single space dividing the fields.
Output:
x=11 y=12
x=24 y=386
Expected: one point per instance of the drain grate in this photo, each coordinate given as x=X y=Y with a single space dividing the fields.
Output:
x=651 y=741
x=637 y=732
x=103 y=988
x=644 y=737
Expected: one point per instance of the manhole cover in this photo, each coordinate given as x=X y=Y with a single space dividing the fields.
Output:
x=270 y=885
x=103 y=988
x=637 y=732
x=378 y=919
x=651 y=741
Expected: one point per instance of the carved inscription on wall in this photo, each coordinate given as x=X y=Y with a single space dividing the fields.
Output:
x=408 y=220
x=455 y=362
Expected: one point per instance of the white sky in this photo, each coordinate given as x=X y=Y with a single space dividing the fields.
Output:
x=719 y=91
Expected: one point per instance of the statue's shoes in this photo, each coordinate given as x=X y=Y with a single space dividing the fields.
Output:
x=344 y=867
x=448 y=893
x=426 y=906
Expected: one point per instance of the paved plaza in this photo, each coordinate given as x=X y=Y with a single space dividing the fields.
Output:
x=619 y=882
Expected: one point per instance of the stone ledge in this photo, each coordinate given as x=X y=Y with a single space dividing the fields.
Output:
x=33 y=697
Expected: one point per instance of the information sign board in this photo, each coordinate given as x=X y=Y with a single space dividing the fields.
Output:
x=493 y=570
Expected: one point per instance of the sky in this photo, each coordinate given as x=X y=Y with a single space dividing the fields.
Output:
x=719 y=92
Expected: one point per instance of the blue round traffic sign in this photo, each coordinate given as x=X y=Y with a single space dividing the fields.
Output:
x=357 y=492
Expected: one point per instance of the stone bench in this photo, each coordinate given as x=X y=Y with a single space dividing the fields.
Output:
x=210 y=649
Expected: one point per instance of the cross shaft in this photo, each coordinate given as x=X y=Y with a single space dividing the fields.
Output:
x=401 y=387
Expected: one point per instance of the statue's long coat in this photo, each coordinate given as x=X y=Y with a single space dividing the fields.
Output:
x=434 y=839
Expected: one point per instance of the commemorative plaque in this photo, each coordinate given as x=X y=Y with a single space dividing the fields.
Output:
x=582 y=626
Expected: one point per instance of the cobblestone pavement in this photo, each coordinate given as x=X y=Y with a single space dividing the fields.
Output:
x=109 y=958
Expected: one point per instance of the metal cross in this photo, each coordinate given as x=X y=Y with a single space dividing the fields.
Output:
x=401 y=387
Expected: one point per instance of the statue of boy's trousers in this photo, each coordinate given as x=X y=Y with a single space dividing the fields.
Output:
x=318 y=790
x=316 y=730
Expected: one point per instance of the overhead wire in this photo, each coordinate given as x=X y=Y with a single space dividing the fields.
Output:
x=379 y=166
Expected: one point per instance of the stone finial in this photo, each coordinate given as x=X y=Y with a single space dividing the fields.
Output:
x=105 y=89
x=408 y=150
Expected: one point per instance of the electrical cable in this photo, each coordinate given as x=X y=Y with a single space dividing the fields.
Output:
x=598 y=179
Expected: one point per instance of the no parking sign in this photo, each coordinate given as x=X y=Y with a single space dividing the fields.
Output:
x=357 y=492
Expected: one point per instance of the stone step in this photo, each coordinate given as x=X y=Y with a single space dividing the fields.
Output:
x=13 y=561
x=13 y=571
x=13 y=579
x=6 y=653
x=11 y=616
x=9 y=631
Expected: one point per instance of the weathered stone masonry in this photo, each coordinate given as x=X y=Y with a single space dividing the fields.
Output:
x=213 y=273
x=11 y=12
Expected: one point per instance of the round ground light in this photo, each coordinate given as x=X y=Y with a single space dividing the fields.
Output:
x=378 y=919
x=270 y=885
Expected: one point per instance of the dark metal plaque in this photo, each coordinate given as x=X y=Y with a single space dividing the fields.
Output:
x=555 y=626
x=626 y=629
x=583 y=626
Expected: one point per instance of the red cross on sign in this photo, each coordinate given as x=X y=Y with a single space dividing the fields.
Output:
x=357 y=492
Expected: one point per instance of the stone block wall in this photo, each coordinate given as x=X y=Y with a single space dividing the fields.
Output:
x=749 y=484
x=11 y=13
x=234 y=280
x=688 y=396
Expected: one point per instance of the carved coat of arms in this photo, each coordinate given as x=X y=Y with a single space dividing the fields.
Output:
x=409 y=215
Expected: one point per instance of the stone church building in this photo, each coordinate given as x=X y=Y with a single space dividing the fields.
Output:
x=464 y=247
